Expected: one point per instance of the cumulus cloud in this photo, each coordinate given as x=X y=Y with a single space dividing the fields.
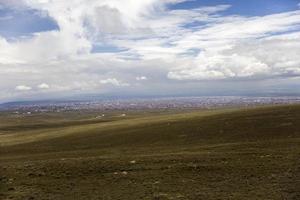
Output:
x=43 y=86
x=146 y=37
x=114 y=82
x=263 y=58
x=23 y=88
x=141 y=78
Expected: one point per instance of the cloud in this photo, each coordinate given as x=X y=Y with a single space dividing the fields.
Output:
x=43 y=86
x=148 y=38
x=268 y=57
x=23 y=88
x=221 y=67
x=141 y=78
x=114 y=82
x=13 y=3
x=7 y=17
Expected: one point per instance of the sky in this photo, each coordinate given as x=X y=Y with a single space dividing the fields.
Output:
x=61 y=48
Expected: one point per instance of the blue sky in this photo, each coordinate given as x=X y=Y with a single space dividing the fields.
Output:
x=244 y=7
x=59 y=47
x=17 y=23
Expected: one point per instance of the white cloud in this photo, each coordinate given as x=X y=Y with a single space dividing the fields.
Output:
x=114 y=82
x=166 y=45
x=23 y=88
x=221 y=67
x=43 y=86
x=141 y=78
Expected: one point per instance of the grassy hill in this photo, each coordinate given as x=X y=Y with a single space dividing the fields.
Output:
x=219 y=154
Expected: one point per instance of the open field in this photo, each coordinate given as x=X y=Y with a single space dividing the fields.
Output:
x=218 y=154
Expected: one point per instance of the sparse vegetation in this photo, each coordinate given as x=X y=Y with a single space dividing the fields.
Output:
x=219 y=154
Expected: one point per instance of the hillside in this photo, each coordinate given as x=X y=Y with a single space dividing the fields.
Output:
x=218 y=154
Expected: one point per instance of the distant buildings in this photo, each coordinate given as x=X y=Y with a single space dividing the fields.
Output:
x=147 y=104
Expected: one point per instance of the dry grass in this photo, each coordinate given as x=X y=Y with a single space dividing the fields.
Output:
x=221 y=154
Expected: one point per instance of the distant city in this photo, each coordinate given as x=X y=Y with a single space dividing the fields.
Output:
x=146 y=104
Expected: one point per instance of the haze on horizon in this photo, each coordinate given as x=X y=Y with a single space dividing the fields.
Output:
x=61 y=48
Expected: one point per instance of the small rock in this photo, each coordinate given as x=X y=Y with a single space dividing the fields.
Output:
x=124 y=172
x=132 y=162
x=27 y=166
x=41 y=174
x=156 y=182
x=31 y=174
